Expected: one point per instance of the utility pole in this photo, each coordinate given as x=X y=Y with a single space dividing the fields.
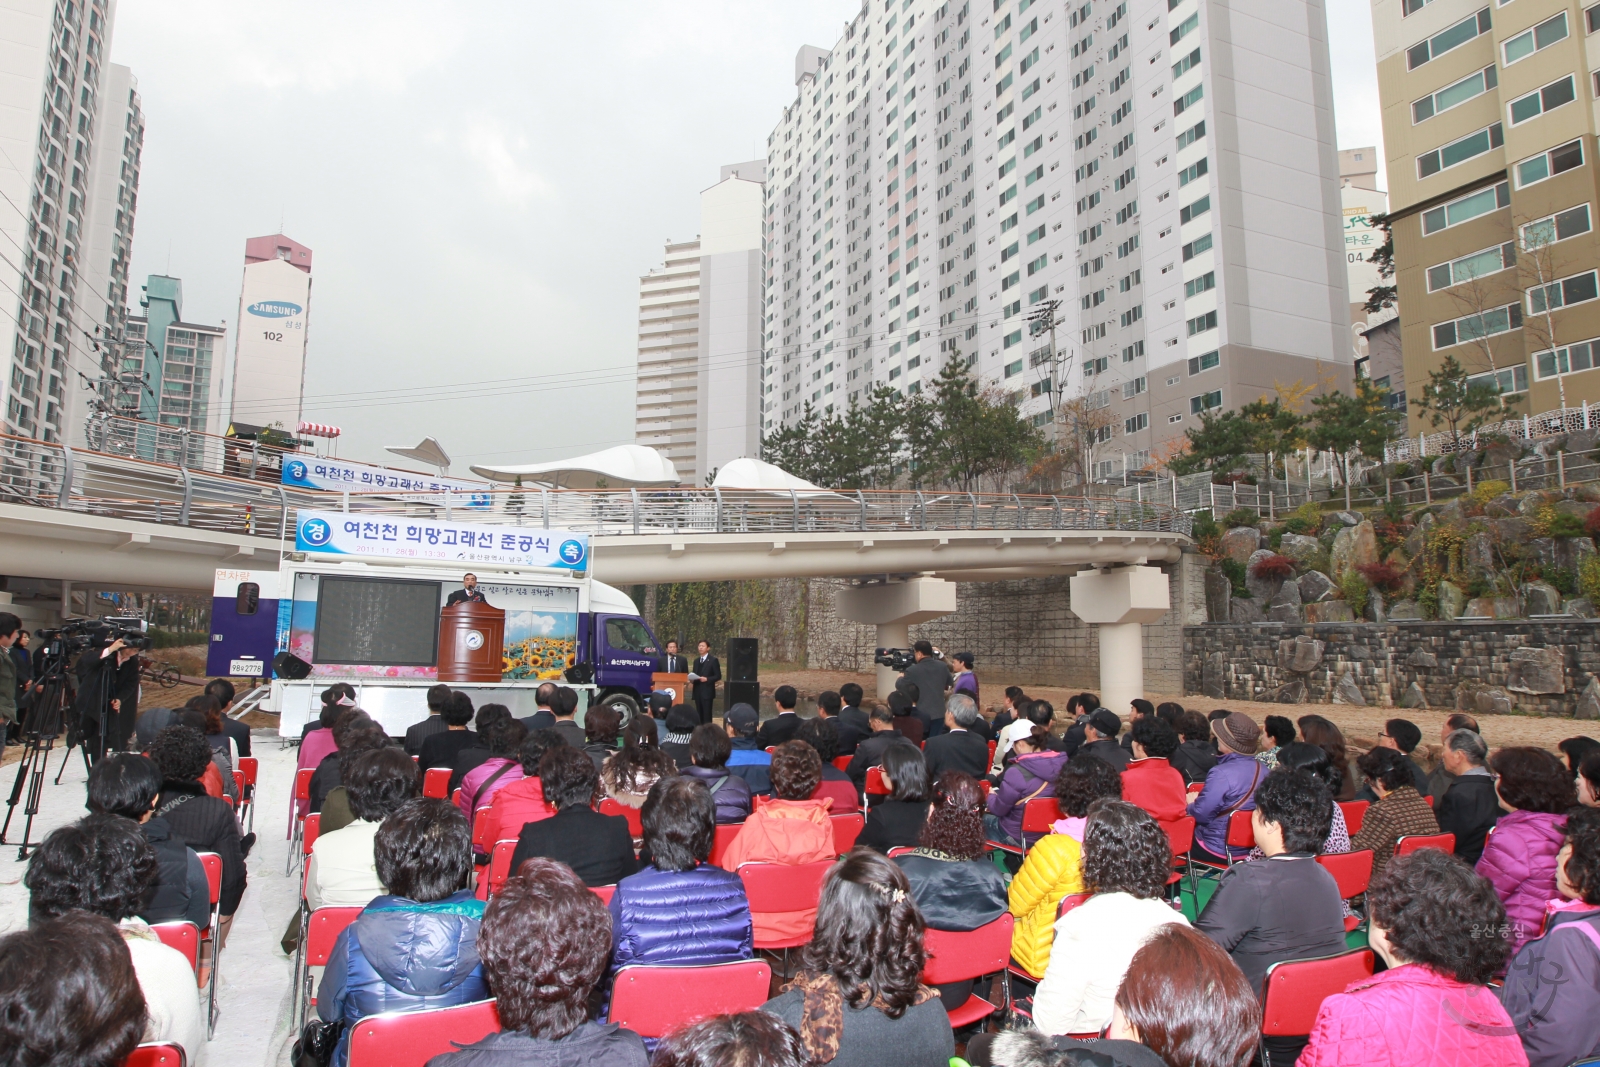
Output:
x=1042 y=319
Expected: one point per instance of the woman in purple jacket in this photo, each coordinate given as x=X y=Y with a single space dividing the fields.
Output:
x=1230 y=787
x=1519 y=857
x=1033 y=774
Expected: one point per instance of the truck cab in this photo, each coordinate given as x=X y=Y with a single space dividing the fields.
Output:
x=624 y=652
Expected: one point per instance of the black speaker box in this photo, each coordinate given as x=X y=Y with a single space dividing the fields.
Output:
x=290 y=666
x=741 y=693
x=743 y=659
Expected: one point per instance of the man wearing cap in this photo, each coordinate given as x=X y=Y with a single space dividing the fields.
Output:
x=1230 y=787
x=1100 y=738
x=749 y=760
x=659 y=704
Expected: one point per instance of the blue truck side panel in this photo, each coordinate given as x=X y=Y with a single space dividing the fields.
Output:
x=235 y=636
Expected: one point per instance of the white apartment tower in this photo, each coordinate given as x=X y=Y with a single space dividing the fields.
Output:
x=71 y=131
x=699 y=364
x=1164 y=169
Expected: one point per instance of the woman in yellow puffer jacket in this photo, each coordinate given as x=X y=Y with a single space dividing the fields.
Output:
x=1054 y=867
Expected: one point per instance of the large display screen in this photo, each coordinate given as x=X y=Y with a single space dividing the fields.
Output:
x=380 y=622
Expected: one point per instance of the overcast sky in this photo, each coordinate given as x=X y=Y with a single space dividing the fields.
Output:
x=482 y=186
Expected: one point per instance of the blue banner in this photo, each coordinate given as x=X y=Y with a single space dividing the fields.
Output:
x=337 y=475
x=401 y=537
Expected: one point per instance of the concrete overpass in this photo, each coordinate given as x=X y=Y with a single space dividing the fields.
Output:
x=89 y=517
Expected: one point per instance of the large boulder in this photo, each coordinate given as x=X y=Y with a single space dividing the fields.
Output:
x=1289 y=693
x=1513 y=530
x=1452 y=600
x=1421 y=658
x=1541 y=598
x=1589 y=702
x=1346 y=691
x=1494 y=607
x=1314 y=586
x=1492 y=702
x=1534 y=501
x=1245 y=611
x=1263 y=589
x=1299 y=653
x=1582 y=607
x=1478 y=553
x=1329 y=611
x=1414 y=697
x=1573 y=552
x=1501 y=507
x=1354 y=546
x=1339 y=519
x=1284 y=606
x=1299 y=547
x=1405 y=610
x=1537 y=670
x=1417 y=539
x=1377 y=610
x=1219 y=595
x=1239 y=542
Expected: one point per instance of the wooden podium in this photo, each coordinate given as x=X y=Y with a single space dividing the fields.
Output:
x=677 y=684
x=471 y=643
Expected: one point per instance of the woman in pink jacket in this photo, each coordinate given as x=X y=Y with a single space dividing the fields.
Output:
x=1439 y=928
x=1519 y=857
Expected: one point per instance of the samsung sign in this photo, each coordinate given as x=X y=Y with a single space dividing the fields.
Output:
x=274 y=309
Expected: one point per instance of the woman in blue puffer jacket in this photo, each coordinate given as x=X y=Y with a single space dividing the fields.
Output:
x=709 y=749
x=679 y=909
x=415 y=947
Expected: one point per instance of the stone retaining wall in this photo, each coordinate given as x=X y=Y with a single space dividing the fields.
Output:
x=1541 y=668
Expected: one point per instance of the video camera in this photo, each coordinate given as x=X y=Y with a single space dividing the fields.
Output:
x=898 y=659
x=78 y=634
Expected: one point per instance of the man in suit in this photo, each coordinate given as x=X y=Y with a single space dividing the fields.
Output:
x=958 y=748
x=1470 y=807
x=784 y=725
x=1440 y=779
x=1100 y=738
x=543 y=717
x=869 y=753
x=468 y=593
x=931 y=677
x=598 y=848
x=438 y=700
x=705 y=674
x=675 y=662
x=1403 y=736
x=564 y=703
x=854 y=726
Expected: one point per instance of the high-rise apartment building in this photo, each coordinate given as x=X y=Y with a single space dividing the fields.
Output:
x=71 y=132
x=1489 y=113
x=267 y=386
x=180 y=366
x=699 y=363
x=1165 y=170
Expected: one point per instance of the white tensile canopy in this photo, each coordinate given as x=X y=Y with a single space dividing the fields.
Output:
x=622 y=467
x=754 y=474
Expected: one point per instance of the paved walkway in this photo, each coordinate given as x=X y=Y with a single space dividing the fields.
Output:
x=253 y=991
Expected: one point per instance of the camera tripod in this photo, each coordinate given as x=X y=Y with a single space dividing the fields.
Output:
x=40 y=730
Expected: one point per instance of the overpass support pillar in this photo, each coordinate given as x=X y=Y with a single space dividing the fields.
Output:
x=893 y=607
x=1120 y=601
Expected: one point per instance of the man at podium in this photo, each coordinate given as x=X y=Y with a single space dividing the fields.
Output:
x=467 y=594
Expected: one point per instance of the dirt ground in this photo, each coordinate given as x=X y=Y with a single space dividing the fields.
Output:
x=1361 y=725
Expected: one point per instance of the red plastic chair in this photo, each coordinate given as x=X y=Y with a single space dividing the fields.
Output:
x=903 y=850
x=1355 y=813
x=1409 y=843
x=322 y=931
x=436 y=783
x=249 y=769
x=842 y=762
x=412 y=1038
x=955 y=957
x=312 y=831
x=604 y=892
x=302 y=791
x=1429 y=799
x=156 y=1055
x=1180 y=837
x=774 y=887
x=1240 y=836
x=232 y=805
x=771 y=749
x=656 y=1001
x=213 y=867
x=1068 y=902
x=1353 y=873
x=609 y=806
x=992 y=746
x=1295 y=990
x=726 y=832
x=1038 y=816
x=499 y=868
x=876 y=786
x=183 y=936
x=846 y=828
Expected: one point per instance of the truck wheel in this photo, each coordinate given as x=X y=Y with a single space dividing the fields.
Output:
x=623 y=704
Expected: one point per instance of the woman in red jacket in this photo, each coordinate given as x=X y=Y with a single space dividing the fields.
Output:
x=1150 y=780
x=1438 y=927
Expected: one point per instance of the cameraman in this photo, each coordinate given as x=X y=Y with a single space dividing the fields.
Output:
x=108 y=685
x=932 y=678
x=10 y=625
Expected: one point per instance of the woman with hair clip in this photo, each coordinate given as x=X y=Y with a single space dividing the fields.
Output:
x=858 y=1001
x=630 y=771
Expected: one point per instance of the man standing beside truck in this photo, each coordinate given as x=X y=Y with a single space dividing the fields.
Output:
x=705 y=674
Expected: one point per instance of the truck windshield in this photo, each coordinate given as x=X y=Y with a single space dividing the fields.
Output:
x=629 y=635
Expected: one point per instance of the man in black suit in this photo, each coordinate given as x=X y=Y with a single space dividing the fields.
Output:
x=705 y=674
x=468 y=593
x=438 y=700
x=932 y=677
x=869 y=753
x=853 y=724
x=598 y=848
x=1403 y=736
x=1100 y=738
x=1470 y=807
x=543 y=718
x=675 y=661
x=784 y=725
x=958 y=748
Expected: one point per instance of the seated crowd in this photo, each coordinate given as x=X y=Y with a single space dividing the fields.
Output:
x=1145 y=922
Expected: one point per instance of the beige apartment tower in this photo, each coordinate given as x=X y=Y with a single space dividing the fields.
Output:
x=1489 y=117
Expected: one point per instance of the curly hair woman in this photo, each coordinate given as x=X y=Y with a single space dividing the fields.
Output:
x=1519 y=858
x=1438 y=927
x=202 y=822
x=501 y=737
x=857 y=1000
x=69 y=994
x=1054 y=867
x=630 y=771
x=791 y=828
x=1126 y=860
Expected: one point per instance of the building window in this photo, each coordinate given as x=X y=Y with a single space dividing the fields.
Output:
x=1474 y=85
x=1477 y=326
x=1014 y=368
x=1566 y=360
x=1195 y=210
x=1409 y=6
x=1548 y=164
x=1206 y=281
x=1552 y=96
x=1012 y=338
x=1591 y=18
x=1460 y=150
x=1205 y=402
x=1175 y=418
x=1448 y=39
x=1557 y=227
x=1133 y=388
x=1459 y=210
x=1202 y=323
x=1203 y=363
x=1578 y=289
x=1193 y=171
x=1510 y=380
x=1196 y=246
x=1478 y=265
x=1136 y=423
x=1533 y=40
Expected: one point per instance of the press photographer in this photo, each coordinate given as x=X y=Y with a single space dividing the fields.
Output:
x=108 y=687
x=923 y=667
